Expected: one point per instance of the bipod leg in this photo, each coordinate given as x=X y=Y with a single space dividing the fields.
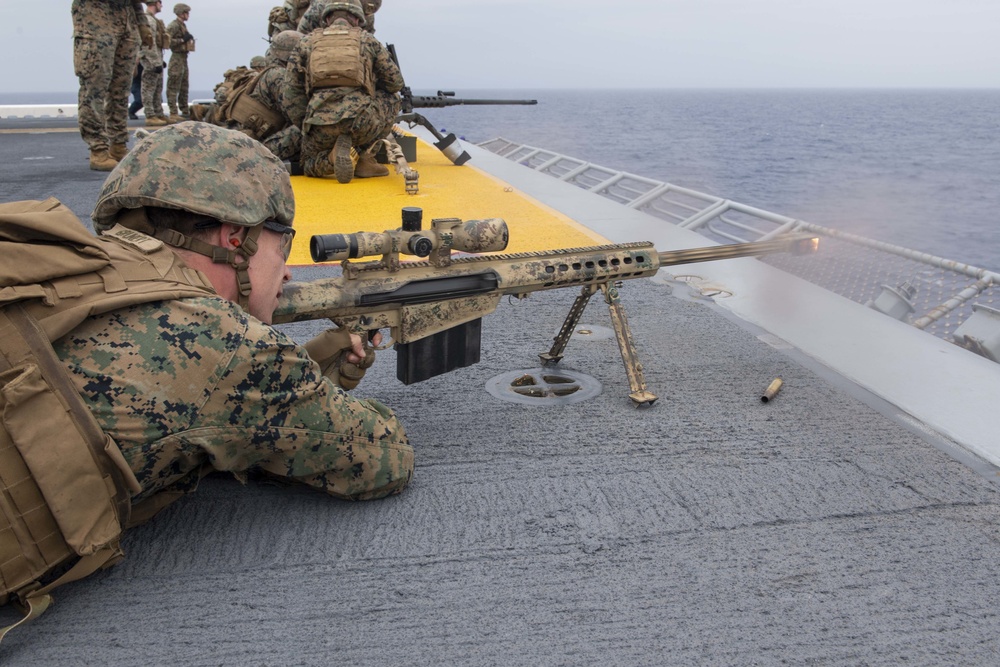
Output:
x=394 y=153
x=636 y=377
x=572 y=319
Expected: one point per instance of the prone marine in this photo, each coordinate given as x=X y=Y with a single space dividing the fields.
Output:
x=162 y=335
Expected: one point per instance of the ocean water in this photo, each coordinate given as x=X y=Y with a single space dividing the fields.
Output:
x=918 y=168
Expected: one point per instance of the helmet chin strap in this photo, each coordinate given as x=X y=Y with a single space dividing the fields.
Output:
x=238 y=257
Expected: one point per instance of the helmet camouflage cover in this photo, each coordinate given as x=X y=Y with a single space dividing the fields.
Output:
x=203 y=169
x=180 y=8
x=351 y=6
x=282 y=46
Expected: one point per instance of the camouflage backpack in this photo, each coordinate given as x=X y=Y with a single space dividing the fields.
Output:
x=65 y=488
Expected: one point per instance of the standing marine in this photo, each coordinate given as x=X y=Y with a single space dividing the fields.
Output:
x=152 y=64
x=181 y=43
x=106 y=37
x=343 y=91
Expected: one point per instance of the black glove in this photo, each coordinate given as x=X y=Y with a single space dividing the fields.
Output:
x=158 y=69
x=164 y=64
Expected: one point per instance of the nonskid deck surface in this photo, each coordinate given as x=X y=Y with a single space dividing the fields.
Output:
x=708 y=529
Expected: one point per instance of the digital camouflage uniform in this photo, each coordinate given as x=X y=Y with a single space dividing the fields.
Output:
x=177 y=70
x=185 y=383
x=105 y=45
x=270 y=91
x=327 y=113
x=152 y=68
x=196 y=381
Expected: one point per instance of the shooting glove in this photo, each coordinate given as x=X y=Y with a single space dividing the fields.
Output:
x=329 y=349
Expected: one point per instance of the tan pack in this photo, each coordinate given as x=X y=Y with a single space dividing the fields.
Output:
x=254 y=118
x=336 y=60
x=65 y=488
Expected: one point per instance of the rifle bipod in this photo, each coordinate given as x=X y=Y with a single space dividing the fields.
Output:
x=633 y=368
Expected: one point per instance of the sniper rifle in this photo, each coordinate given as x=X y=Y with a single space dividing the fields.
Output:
x=434 y=307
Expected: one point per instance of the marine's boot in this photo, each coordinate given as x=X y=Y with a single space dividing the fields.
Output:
x=176 y=118
x=117 y=152
x=156 y=121
x=340 y=156
x=100 y=160
x=368 y=166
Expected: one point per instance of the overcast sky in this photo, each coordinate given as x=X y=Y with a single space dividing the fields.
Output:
x=468 y=44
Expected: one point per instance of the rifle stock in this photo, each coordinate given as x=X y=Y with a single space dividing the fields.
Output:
x=433 y=306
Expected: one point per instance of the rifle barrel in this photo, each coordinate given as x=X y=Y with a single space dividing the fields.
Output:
x=436 y=101
x=799 y=245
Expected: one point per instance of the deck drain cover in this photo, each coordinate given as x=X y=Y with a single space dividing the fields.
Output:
x=593 y=332
x=543 y=386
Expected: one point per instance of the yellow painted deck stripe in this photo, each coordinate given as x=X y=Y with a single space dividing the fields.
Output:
x=324 y=206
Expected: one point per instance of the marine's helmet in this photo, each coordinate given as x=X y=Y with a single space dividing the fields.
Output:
x=282 y=46
x=181 y=8
x=203 y=169
x=352 y=6
x=258 y=62
x=372 y=6
x=208 y=171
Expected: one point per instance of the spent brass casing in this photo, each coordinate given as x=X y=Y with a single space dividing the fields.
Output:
x=771 y=390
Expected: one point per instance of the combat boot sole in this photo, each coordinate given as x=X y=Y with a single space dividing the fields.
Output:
x=343 y=166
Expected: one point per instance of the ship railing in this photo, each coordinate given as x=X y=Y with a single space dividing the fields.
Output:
x=932 y=293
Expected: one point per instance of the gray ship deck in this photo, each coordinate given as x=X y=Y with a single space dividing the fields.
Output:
x=824 y=527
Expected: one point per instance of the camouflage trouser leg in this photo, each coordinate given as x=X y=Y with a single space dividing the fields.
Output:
x=152 y=92
x=105 y=45
x=286 y=144
x=371 y=124
x=317 y=142
x=374 y=123
x=177 y=83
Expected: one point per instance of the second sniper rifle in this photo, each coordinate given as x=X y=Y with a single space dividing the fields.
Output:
x=449 y=145
x=434 y=307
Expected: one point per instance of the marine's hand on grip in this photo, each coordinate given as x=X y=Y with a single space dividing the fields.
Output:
x=343 y=356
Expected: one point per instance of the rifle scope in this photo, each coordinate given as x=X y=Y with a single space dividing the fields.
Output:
x=445 y=234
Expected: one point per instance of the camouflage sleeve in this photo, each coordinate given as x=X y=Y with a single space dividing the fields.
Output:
x=295 y=98
x=181 y=384
x=387 y=74
x=273 y=410
x=177 y=34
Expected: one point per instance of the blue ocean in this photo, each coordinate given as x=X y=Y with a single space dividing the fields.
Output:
x=918 y=168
